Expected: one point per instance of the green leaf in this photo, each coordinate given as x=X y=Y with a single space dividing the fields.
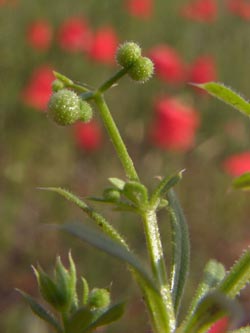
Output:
x=210 y=308
x=73 y=281
x=63 y=78
x=136 y=192
x=226 y=95
x=85 y=291
x=237 y=278
x=112 y=247
x=164 y=186
x=242 y=182
x=214 y=273
x=108 y=316
x=180 y=250
x=79 y=321
x=49 y=290
x=40 y=311
x=118 y=183
x=160 y=318
x=101 y=222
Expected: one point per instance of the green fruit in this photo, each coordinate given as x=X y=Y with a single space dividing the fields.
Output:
x=127 y=54
x=111 y=194
x=86 y=111
x=142 y=69
x=64 y=107
x=57 y=85
x=99 y=298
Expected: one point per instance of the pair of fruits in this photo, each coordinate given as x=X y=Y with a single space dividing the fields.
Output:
x=66 y=107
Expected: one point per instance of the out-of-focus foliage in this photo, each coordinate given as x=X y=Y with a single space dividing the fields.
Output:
x=167 y=124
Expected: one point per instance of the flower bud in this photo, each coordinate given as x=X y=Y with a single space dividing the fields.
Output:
x=57 y=85
x=86 y=111
x=127 y=54
x=99 y=298
x=141 y=70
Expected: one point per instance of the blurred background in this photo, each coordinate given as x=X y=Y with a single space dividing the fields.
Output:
x=168 y=126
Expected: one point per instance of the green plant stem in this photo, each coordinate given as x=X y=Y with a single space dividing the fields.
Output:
x=109 y=83
x=115 y=137
x=156 y=256
x=77 y=87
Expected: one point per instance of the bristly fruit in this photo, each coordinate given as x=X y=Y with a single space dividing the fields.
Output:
x=141 y=70
x=65 y=108
x=86 y=111
x=99 y=298
x=127 y=54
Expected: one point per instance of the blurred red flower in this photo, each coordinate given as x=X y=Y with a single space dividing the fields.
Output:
x=168 y=64
x=39 y=35
x=140 y=8
x=200 y=10
x=104 y=45
x=74 y=35
x=237 y=164
x=220 y=326
x=240 y=8
x=203 y=70
x=38 y=90
x=88 y=135
x=174 y=126
x=13 y=3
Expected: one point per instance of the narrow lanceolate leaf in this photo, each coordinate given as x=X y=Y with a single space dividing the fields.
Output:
x=41 y=312
x=117 y=182
x=108 y=316
x=181 y=249
x=102 y=223
x=85 y=291
x=242 y=182
x=63 y=78
x=214 y=273
x=160 y=319
x=226 y=95
x=108 y=245
x=210 y=308
x=237 y=278
x=164 y=186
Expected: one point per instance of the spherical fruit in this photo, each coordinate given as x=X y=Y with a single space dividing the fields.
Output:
x=127 y=54
x=141 y=70
x=64 y=107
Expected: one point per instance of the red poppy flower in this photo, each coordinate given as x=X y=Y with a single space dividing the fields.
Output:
x=240 y=8
x=174 y=126
x=39 y=35
x=140 y=8
x=104 y=45
x=74 y=35
x=88 y=135
x=200 y=10
x=220 y=326
x=237 y=164
x=38 y=90
x=168 y=64
x=203 y=70
x=13 y=3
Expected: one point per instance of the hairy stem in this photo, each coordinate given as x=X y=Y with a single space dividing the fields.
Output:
x=116 y=137
x=156 y=256
x=109 y=83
